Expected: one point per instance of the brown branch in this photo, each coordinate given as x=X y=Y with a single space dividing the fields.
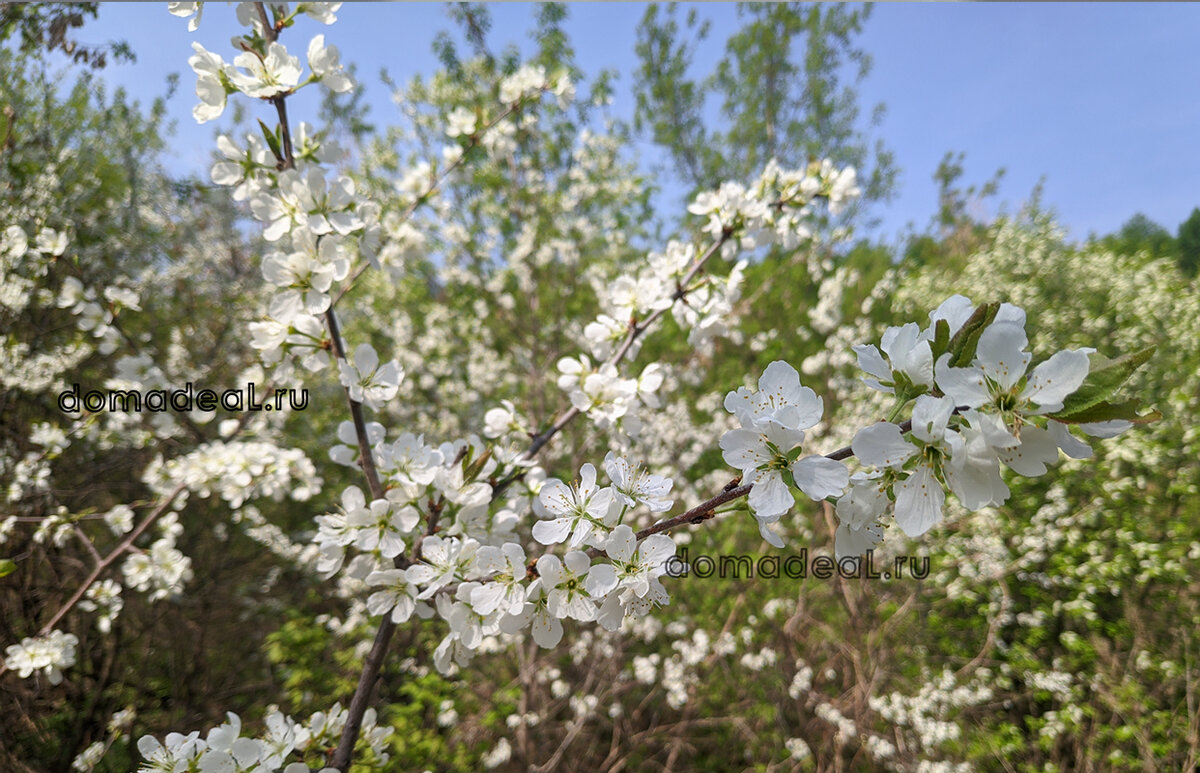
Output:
x=374 y=660
x=366 y=457
x=289 y=158
x=103 y=563
x=706 y=510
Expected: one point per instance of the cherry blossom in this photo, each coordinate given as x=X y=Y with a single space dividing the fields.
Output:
x=579 y=511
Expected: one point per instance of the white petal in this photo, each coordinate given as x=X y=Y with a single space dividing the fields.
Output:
x=770 y=495
x=965 y=385
x=956 y=310
x=656 y=549
x=601 y=580
x=622 y=544
x=552 y=532
x=587 y=480
x=577 y=562
x=743 y=449
x=1011 y=313
x=1105 y=429
x=1037 y=450
x=487 y=597
x=855 y=542
x=919 y=500
x=977 y=485
x=779 y=379
x=580 y=607
x=782 y=437
x=611 y=612
x=1057 y=377
x=741 y=404
x=380 y=602
x=1071 y=445
x=1000 y=353
x=881 y=445
x=930 y=417
x=547 y=631
x=764 y=528
x=820 y=477
x=992 y=427
x=549 y=569
x=918 y=364
x=871 y=361
x=365 y=358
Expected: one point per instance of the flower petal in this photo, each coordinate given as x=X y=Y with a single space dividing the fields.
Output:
x=919 y=500
x=1057 y=377
x=820 y=477
x=1000 y=353
x=881 y=445
x=770 y=495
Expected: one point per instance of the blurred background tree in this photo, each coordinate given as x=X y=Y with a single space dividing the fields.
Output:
x=784 y=89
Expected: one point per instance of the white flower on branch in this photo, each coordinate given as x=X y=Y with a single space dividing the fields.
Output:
x=906 y=354
x=767 y=447
x=184 y=10
x=48 y=654
x=580 y=511
x=633 y=485
x=267 y=76
x=565 y=583
x=460 y=122
x=324 y=62
x=368 y=381
x=213 y=78
x=528 y=80
x=398 y=597
x=240 y=168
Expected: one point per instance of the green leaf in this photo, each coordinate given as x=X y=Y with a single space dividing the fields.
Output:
x=471 y=470
x=1104 y=378
x=272 y=141
x=941 y=339
x=966 y=340
x=7 y=567
x=1106 y=411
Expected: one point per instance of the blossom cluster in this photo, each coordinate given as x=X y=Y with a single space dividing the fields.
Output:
x=777 y=208
x=769 y=444
x=225 y=748
x=976 y=405
x=48 y=655
x=474 y=573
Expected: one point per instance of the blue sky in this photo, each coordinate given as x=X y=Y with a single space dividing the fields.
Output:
x=1102 y=100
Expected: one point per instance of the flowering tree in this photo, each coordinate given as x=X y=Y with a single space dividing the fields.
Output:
x=453 y=512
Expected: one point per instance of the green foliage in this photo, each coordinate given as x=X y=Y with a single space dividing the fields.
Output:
x=47 y=27
x=1141 y=233
x=1189 y=243
x=785 y=88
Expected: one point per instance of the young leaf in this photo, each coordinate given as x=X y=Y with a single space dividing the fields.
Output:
x=941 y=339
x=1106 y=411
x=272 y=141
x=966 y=340
x=1104 y=378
